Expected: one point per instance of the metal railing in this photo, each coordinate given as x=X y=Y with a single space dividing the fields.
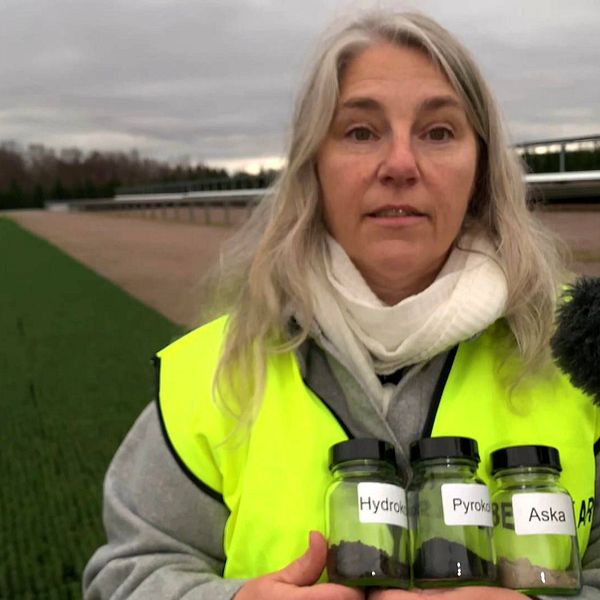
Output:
x=561 y=144
x=210 y=208
x=568 y=187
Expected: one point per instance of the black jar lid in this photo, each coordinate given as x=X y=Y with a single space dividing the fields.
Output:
x=525 y=456
x=444 y=447
x=362 y=449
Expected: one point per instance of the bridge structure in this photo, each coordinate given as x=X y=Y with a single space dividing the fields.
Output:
x=562 y=187
x=559 y=145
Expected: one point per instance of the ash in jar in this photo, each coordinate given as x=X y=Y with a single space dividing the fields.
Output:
x=534 y=524
x=522 y=574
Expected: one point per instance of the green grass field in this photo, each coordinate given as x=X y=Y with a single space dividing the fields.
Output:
x=75 y=372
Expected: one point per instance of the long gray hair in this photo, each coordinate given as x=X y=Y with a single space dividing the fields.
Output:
x=263 y=271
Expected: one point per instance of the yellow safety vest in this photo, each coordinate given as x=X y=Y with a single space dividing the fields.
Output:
x=273 y=480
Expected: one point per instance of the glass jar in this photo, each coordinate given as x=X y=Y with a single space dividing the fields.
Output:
x=367 y=533
x=534 y=525
x=450 y=516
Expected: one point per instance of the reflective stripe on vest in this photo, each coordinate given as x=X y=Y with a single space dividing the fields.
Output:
x=273 y=478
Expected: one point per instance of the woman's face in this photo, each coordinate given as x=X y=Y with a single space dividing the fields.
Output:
x=396 y=169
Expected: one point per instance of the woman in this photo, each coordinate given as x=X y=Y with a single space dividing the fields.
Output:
x=391 y=285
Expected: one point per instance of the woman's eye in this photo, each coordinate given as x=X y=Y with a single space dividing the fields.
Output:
x=360 y=134
x=440 y=134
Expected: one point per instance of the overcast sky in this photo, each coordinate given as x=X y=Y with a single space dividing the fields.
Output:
x=214 y=80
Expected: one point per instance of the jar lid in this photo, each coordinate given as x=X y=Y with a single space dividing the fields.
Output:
x=362 y=449
x=525 y=456
x=444 y=447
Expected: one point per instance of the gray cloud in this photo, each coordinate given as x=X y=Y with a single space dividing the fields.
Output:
x=215 y=79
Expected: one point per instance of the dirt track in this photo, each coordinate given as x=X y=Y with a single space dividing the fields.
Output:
x=158 y=262
x=161 y=262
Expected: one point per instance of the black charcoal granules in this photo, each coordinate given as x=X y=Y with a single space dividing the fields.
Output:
x=439 y=559
x=355 y=561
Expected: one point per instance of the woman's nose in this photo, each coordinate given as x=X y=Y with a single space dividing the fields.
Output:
x=398 y=165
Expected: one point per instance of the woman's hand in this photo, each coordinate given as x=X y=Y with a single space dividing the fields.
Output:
x=295 y=582
x=463 y=593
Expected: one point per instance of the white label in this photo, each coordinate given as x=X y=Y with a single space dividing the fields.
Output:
x=382 y=503
x=466 y=504
x=543 y=514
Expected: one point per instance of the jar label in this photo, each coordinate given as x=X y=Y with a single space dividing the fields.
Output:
x=382 y=503
x=466 y=504
x=543 y=514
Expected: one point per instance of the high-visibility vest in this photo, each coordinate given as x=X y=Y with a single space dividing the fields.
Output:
x=273 y=477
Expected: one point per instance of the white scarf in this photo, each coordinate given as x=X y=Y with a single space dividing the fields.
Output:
x=467 y=296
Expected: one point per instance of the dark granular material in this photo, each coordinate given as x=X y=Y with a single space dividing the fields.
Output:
x=350 y=561
x=441 y=559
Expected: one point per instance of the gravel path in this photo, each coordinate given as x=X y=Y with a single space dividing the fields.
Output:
x=161 y=262
x=580 y=228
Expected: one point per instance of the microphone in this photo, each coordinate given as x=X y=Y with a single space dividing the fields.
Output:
x=576 y=341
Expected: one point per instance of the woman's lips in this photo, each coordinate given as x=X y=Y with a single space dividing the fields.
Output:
x=397 y=215
x=396 y=212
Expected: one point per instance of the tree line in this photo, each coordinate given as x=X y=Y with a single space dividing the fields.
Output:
x=33 y=175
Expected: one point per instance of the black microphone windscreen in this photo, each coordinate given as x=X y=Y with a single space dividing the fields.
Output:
x=576 y=342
